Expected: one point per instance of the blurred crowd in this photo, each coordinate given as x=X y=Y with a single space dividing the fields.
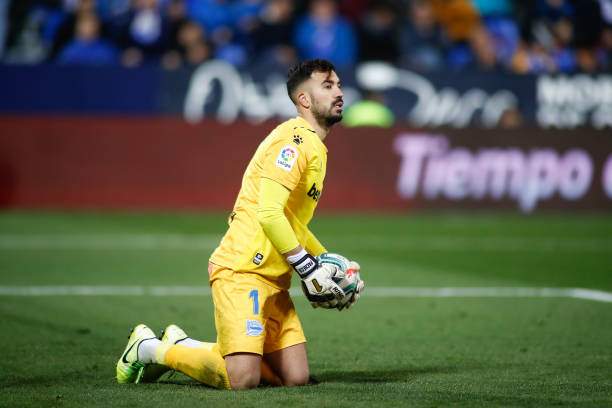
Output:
x=524 y=36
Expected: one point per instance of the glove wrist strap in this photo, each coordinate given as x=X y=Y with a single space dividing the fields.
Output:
x=303 y=263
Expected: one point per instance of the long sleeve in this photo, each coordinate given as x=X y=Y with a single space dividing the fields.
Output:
x=270 y=214
x=313 y=246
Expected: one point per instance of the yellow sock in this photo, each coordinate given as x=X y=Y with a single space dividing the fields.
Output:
x=203 y=364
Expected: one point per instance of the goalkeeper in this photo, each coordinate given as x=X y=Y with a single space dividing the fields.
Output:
x=259 y=335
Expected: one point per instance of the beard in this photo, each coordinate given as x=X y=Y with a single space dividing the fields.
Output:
x=327 y=117
x=332 y=119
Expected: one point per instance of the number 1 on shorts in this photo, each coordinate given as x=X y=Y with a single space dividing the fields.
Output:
x=255 y=295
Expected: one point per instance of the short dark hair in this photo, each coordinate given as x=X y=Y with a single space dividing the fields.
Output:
x=301 y=71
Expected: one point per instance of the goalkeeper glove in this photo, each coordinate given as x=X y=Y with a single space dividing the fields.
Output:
x=317 y=283
x=349 y=301
x=331 y=302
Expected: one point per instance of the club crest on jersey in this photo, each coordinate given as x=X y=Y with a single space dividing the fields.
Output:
x=254 y=328
x=286 y=158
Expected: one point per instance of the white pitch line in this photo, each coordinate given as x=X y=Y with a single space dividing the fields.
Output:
x=108 y=242
x=372 y=292
x=590 y=294
x=207 y=242
x=81 y=290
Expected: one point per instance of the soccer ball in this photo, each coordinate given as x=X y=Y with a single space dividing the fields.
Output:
x=351 y=272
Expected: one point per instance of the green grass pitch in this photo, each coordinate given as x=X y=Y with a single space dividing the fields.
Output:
x=387 y=351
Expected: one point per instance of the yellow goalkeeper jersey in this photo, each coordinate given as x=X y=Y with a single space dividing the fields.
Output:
x=294 y=156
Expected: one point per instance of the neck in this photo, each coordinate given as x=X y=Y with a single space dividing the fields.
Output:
x=321 y=128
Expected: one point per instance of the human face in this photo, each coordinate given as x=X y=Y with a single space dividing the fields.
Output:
x=326 y=96
x=87 y=28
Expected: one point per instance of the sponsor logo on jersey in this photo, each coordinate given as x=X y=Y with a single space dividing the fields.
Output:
x=314 y=193
x=286 y=158
x=297 y=139
x=254 y=328
x=257 y=258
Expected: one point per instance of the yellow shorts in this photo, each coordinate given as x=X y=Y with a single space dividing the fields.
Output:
x=252 y=316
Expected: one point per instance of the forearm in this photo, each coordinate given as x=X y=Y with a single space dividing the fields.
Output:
x=271 y=217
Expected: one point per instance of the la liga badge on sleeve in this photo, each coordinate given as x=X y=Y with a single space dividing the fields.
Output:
x=287 y=157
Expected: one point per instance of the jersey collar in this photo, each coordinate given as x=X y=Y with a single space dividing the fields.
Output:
x=304 y=123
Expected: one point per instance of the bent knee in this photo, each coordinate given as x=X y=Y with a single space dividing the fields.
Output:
x=296 y=379
x=243 y=370
x=244 y=380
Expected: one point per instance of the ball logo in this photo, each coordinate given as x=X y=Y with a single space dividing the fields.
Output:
x=286 y=158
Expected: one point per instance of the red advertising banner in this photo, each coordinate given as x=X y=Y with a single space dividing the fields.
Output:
x=165 y=163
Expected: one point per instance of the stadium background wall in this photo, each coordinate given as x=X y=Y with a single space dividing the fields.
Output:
x=166 y=163
x=217 y=90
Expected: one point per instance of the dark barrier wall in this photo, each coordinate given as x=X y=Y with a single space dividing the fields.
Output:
x=216 y=90
x=165 y=163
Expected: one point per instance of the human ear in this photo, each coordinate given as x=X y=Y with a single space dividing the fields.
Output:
x=304 y=100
